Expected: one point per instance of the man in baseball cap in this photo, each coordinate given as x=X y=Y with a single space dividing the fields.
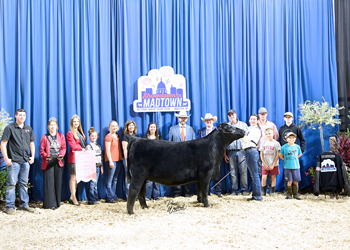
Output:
x=234 y=155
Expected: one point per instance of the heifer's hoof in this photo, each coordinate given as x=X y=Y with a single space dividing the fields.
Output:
x=130 y=212
x=143 y=207
x=206 y=205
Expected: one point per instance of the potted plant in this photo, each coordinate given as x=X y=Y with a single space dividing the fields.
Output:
x=5 y=119
x=317 y=114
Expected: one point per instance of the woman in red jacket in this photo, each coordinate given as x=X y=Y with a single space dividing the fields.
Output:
x=77 y=142
x=52 y=150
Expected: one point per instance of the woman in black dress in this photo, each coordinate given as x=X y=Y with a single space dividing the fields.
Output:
x=52 y=150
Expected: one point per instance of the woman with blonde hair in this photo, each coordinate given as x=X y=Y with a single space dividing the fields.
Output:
x=113 y=155
x=77 y=142
x=130 y=130
x=52 y=150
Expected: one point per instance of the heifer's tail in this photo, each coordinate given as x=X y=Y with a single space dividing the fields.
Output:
x=128 y=174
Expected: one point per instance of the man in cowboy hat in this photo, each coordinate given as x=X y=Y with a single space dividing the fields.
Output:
x=209 y=119
x=182 y=132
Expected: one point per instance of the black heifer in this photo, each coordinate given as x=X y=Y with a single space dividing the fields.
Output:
x=177 y=163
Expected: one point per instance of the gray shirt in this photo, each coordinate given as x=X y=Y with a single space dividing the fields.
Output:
x=270 y=150
x=237 y=144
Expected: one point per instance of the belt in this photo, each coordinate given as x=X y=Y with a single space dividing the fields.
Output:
x=246 y=149
x=234 y=149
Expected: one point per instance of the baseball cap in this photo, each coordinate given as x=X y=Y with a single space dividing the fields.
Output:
x=231 y=111
x=262 y=110
x=291 y=133
x=288 y=113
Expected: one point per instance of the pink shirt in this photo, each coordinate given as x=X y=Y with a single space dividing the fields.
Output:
x=263 y=127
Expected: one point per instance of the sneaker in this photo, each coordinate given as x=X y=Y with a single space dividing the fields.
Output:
x=187 y=195
x=10 y=211
x=219 y=195
x=28 y=209
x=148 y=199
x=92 y=203
x=234 y=193
x=245 y=193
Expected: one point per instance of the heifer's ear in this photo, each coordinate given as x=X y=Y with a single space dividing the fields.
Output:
x=220 y=127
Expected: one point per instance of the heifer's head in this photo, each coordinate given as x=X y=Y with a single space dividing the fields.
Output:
x=231 y=133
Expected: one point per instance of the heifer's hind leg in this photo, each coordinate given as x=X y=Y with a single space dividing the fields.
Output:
x=134 y=189
x=141 y=196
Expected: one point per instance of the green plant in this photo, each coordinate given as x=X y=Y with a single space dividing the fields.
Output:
x=311 y=171
x=3 y=183
x=317 y=115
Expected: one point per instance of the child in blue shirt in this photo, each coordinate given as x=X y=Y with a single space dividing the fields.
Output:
x=290 y=154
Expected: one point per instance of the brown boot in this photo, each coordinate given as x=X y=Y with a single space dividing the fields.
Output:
x=264 y=190
x=289 y=192
x=295 y=192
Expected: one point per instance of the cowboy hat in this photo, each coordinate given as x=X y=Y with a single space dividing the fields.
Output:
x=182 y=113
x=209 y=116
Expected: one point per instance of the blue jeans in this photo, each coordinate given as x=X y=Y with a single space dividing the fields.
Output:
x=92 y=195
x=111 y=183
x=251 y=158
x=238 y=165
x=152 y=186
x=18 y=172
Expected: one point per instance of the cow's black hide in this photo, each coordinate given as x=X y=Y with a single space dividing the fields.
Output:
x=177 y=163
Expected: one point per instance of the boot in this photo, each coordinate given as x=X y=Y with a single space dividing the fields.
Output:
x=272 y=191
x=264 y=190
x=295 y=192
x=289 y=192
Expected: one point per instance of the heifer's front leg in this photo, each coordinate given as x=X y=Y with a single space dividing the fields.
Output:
x=134 y=189
x=199 y=192
x=141 y=196
x=204 y=189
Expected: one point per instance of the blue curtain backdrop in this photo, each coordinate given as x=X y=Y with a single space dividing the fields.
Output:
x=59 y=58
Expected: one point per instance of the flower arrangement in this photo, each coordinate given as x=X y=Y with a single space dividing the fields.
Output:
x=317 y=115
x=311 y=171
x=341 y=146
x=5 y=120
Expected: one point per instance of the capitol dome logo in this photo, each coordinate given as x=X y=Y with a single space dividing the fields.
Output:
x=161 y=91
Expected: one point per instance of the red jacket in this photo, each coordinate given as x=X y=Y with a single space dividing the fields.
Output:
x=74 y=145
x=45 y=149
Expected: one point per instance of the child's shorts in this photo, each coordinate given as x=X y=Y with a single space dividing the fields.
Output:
x=292 y=174
x=274 y=171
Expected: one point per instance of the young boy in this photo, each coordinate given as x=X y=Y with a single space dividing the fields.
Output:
x=269 y=154
x=290 y=154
